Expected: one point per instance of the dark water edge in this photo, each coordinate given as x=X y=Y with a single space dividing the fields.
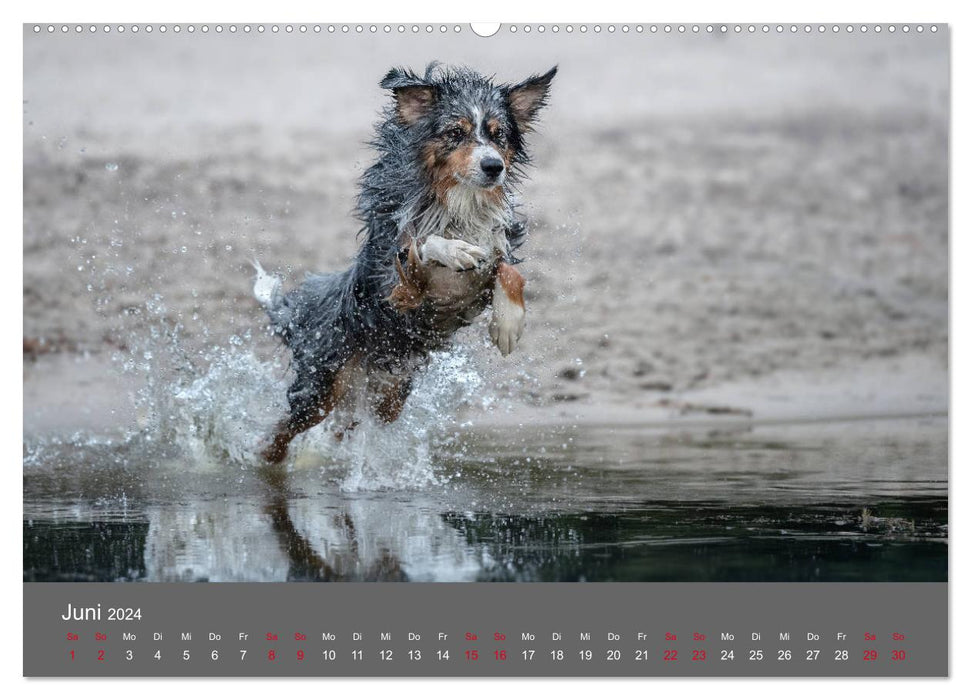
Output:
x=87 y=552
x=708 y=542
x=700 y=543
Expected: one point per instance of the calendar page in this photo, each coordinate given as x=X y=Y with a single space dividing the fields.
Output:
x=551 y=350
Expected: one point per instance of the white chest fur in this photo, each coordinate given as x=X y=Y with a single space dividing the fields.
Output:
x=469 y=215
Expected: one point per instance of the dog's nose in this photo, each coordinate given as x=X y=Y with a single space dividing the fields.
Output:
x=492 y=167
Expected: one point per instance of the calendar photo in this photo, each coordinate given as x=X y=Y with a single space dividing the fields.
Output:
x=598 y=303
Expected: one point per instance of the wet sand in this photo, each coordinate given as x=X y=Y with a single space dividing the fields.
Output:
x=719 y=214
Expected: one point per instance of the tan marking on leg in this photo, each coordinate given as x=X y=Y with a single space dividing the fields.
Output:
x=512 y=283
x=292 y=426
x=508 y=308
x=392 y=399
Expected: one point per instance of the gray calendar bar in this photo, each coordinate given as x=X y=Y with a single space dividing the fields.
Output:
x=542 y=629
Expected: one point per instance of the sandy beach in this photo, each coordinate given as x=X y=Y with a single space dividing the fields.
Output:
x=722 y=228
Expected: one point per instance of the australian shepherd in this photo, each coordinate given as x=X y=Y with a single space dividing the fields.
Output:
x=440 y=226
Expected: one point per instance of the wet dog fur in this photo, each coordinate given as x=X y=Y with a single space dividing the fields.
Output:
x=440 y=226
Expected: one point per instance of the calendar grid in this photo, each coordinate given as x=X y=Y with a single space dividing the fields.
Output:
x=728 y=629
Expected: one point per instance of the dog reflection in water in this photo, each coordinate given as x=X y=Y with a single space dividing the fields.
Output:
x=305 y=563
x=277 y=533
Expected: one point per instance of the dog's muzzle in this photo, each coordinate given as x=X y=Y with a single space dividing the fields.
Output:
x=492 y=167
x=491 y=170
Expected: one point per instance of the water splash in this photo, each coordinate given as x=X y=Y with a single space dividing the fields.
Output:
x=224 y=413
x=218 y=412
x=400 y=455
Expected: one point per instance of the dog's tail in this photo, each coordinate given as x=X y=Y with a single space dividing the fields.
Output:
x=268 y=290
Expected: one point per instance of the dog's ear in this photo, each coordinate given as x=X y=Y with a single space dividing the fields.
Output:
x=414 y=97
x=526 y=98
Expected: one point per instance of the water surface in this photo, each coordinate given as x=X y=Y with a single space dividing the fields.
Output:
x=853 y=501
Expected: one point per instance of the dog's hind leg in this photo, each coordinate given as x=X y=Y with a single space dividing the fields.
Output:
x=392 y=397
x=387 y=401
x=308 y=407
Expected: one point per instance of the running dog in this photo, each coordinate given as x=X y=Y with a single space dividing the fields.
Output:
x=439 y=230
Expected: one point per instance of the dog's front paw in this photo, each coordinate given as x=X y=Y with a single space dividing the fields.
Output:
x=453 y=253
x=507 y=324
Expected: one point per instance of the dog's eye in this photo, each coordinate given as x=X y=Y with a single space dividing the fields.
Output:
x=457 y=133
x=497 y=133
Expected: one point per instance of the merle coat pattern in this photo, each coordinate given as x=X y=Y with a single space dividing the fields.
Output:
x=439 y=230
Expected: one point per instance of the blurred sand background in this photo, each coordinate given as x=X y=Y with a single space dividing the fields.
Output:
x=723 y=227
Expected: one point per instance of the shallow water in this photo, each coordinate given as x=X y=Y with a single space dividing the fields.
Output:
x=853 y=501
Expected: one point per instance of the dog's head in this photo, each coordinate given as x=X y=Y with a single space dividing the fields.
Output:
x=468 y=131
